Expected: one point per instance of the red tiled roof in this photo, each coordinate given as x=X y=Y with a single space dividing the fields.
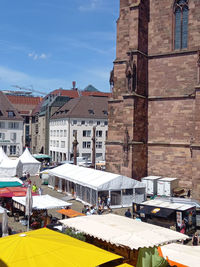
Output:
x=27 y=100
x=86 y=93
x=62 y=92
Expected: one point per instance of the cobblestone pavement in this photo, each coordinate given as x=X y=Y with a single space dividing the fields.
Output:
x=76 y=205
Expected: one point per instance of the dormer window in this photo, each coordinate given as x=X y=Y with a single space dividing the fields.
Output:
x=105 y=112
x=91 y=111
x=1 y=114
x=66 y=111
x=11 y=114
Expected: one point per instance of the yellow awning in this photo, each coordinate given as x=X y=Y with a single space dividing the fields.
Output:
x=125 y=265
x=45 y=247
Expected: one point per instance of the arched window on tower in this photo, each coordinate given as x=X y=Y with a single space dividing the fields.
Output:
x=181 y=10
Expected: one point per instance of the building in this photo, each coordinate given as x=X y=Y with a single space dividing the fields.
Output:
x=154 y=113
x=25 y=104
x=45 y=109
x=11 y=128
x=79 y=115
x=41 y=115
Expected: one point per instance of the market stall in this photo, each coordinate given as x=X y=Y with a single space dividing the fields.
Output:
x=30 y=164
x=2 y=155
x=180 y=255
x=123 y=235
x=167 y=213
x=45 y=247
x=11 y=168
x=90 y=185
x=40 y=207
x=70 y=213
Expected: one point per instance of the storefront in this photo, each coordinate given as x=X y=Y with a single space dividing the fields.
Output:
x=167 y=214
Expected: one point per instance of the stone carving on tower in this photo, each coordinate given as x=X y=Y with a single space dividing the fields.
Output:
x=130 y=74
x=198 y=67
x=111 y=81
x=126 y=147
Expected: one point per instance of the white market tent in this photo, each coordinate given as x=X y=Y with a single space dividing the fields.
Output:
x=2 y=155
x=123 y=231
x=187 y=255
x=30 y=164
x=88 y=184
x=42 y=202
x=11 y=168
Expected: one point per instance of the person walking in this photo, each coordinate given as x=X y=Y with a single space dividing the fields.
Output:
x=195 y=239
x=128 y=213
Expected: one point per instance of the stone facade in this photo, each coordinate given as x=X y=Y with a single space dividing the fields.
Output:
x=162 y=113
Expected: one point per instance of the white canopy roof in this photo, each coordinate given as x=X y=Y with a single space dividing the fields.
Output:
x=30 y=164
x=9 y=168
x=43 y=202
x=187 y=255
x=95 y=179
x=168 y=205
x=26 y=157
x=123 y=231
x=2 y=155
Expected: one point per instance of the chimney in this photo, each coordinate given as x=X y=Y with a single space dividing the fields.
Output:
x=74 y=85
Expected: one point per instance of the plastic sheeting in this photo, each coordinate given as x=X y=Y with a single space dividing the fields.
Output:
x=123 y=231
x=11 y=168
x=43 y=202
x=30 y=164
x=95 y=179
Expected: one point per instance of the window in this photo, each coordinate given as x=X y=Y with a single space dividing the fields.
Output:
x=57 y=143
x=65 y=133
x=86 y=133
x=90 y=123
x=105 y=112
x=181 y=24
x=2 y=136
x=105 y=123
x=13 y=136
x=74 y=133
x=2 y=124
x=86 y=144
x=11 y=114
x=13 y=125
x=57 y=133
x=12 y=150
x=1 y=114
x=98 y=144
x=98 y=122
x=62 y=144
x=82 y=122
x=61 y=133
x=91 y=111
x=74 y=122
x=99 y=133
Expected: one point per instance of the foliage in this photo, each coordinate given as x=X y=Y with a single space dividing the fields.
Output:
x=74 y=234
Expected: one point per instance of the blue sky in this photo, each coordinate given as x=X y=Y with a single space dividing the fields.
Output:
x=47 y=44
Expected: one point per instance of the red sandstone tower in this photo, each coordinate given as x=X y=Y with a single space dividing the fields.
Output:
x=154 y=115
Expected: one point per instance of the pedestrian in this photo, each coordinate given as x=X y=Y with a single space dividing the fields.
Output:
x=84 y=210
x=183 y=227
x=195 y=239
x=128 y=213
x=189 y=193
x=40 y=191
x=34 y=188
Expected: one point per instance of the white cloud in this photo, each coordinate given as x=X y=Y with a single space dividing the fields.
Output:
x=9 y=77
x=92 y=5
x=36 y=56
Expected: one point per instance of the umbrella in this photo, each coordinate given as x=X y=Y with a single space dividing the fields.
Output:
x=29 y=204
x=44 y=247
x=5 y=223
